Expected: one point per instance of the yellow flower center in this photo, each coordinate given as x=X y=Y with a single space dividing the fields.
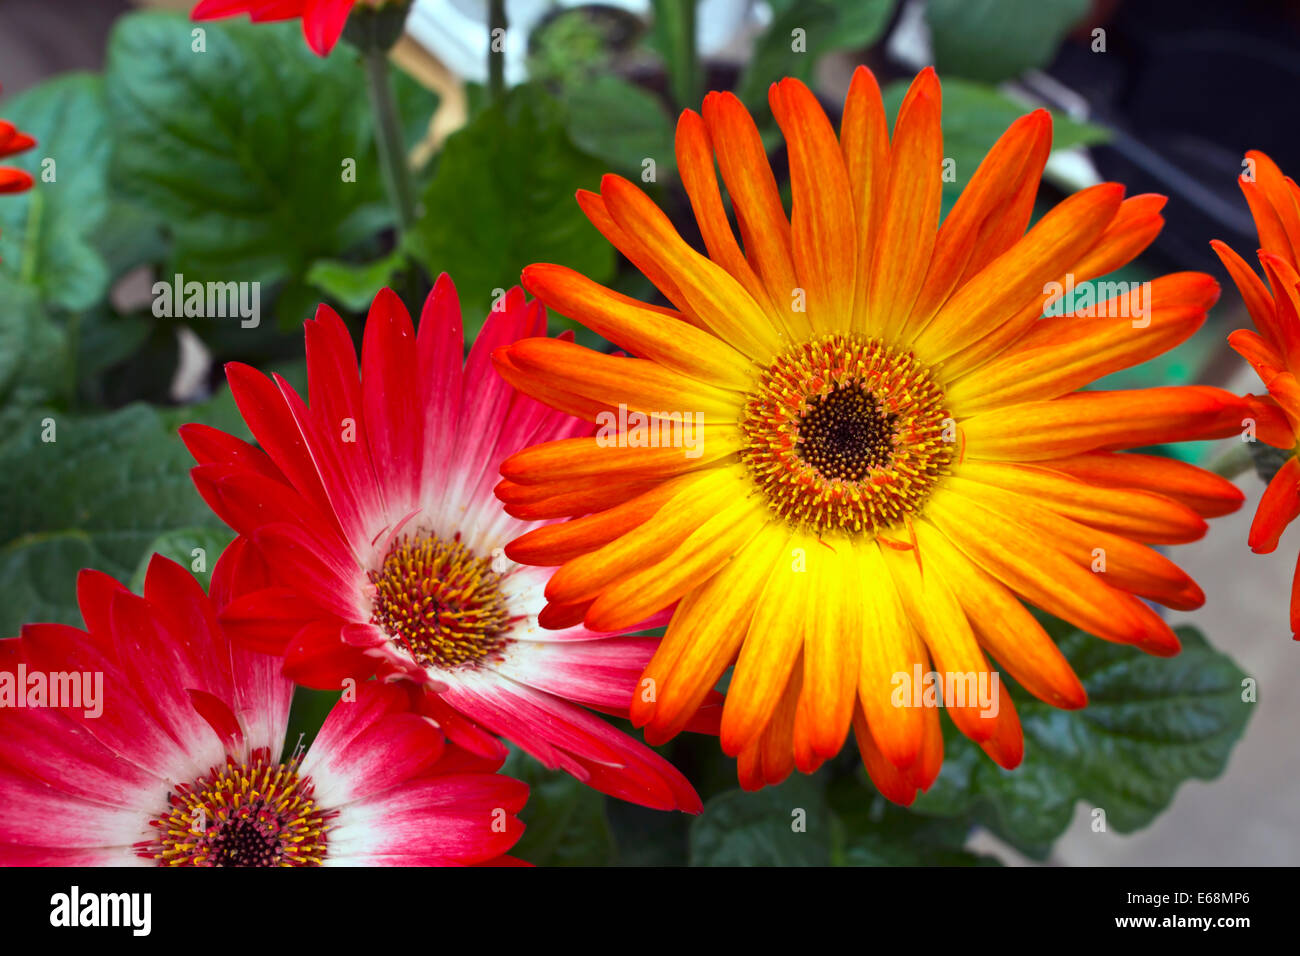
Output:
x=250 y=814
x=846 y=433
x=440 y=602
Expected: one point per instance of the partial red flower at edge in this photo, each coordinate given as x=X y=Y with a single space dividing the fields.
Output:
x=371 y=542
x=322 y=20
x=897 y=446
x=12 y=141
x=1273 y=349
x=178 y=762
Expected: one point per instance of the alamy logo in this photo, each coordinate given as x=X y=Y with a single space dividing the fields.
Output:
x=949 y=689
x=83 y=690
x=652 y=430
x=102 y=909
x=1110 y=299
x=209 y=300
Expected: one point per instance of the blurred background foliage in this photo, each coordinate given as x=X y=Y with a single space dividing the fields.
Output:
x=226 y=166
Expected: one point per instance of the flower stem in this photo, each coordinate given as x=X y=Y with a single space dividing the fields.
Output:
x=496 y=49
x=388 y=136
x=675 y=29
x=1233 y=462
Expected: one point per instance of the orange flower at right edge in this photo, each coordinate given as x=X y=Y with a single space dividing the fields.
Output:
x=1274 y=349
x=894 y=451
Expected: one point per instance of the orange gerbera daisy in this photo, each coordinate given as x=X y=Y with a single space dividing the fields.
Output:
x=864 y=441
x=1274 y=349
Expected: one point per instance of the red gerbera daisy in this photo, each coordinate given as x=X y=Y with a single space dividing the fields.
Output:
x=13 y=141
x=150 y=738
x=373 y=514
x=1273 y=351
x=322 y=20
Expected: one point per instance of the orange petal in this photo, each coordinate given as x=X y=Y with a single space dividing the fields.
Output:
x=1140 y=515
x=630 y=244
x=691 y=503
x=1004 y=627
x=776 y=743
x=832 y=651
x=1018 y=279
x=1278 y=507
x=1253 y=291
x=1087 y=421
x=1047 y=578
x=864 y=140
x=1063 y=353
x=1263 y=358
x=1276 y=218
x=824 y=233
x=772 y=645
x=712 y=294
x=939 y=617
x=703 y=639
x=567 y=459
x=1206 y=493
x=890 y=646
x=1132 y=230
x=640 y=384
x=538 y=387
x=995 y=183
x=565 y=499
x=1127 y=565
x=894 y=785
x=553 y=544
x=696 y=168
x=642 y=330
x=764 y=230
x=900 y=256
x=714 y=542
x=1286 y=305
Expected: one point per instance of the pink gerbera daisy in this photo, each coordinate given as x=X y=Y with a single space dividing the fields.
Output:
x=150 y=737
x=371 y=515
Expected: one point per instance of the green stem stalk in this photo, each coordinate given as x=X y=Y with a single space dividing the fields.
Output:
x=1233 y=462
x=388 y=137
x=496 y=57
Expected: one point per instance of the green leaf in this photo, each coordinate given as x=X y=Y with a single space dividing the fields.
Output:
x=44 y=232
x=786 y=825
x=803 y=32
x=306 y=715
x=353 y=285
x=565 y=818
x=874 y=832
x=105 y=340
x=502 y=198
x=34 y=353
x=996 y=40
x=130 y=236
x=1150 y=725
x=220 y=411
x=646 y=837
x=675 y=29
x=98 y=495
x=975 y=116
x=194 y=548
x=241 y=150
x=621 y=124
